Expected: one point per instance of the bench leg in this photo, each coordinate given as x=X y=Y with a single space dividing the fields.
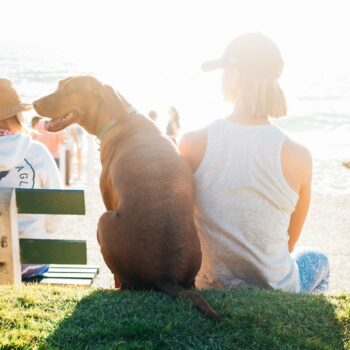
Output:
x=10 y=265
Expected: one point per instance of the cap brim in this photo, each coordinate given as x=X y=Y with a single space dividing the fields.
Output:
x=212 y=65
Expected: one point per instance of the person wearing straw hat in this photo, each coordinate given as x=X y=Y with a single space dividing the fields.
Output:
x=25 y=163
x=253 y=183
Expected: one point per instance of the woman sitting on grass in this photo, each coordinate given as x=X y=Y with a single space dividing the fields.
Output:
x=25 y=164
x=253 y=183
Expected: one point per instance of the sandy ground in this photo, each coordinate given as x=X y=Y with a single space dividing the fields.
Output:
x=327 y=227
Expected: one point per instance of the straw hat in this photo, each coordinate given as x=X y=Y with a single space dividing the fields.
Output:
x=10 y=103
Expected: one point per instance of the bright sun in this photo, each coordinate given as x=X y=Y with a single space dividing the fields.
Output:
x=152 y=50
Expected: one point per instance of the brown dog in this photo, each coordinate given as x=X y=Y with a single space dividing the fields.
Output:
x=147 y=236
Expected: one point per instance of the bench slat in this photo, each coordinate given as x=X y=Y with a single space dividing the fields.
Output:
x=62 y=275
x=77 y=270
x=70 y=275
x=48 y=201
x=74 y=266
x=78 y=281
x=52 y=251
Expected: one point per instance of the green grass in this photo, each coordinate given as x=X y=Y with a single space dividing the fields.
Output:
x=44 y=317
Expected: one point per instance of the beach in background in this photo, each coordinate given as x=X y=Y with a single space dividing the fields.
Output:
x=154 y=61
x=319 y=104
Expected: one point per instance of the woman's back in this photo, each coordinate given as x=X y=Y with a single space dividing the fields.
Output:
x=243 y=208
x=253 y=183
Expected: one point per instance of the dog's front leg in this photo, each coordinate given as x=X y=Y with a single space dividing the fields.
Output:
x=117 y=283
x=108 y=194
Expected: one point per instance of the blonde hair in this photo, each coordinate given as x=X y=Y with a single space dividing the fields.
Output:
x=260 y=96
x=12 y=124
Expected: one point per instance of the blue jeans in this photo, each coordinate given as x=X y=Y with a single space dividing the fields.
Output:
x=313 y=270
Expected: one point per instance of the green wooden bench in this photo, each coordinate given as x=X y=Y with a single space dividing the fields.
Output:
x=67 y=258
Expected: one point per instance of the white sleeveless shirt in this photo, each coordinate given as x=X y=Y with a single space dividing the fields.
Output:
x=243 y=209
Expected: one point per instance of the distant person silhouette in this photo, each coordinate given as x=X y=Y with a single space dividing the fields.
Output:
x=52 y=140
x=173 y=126
x=74 y=149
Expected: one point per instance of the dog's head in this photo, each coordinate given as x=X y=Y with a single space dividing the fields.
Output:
x=83 y=100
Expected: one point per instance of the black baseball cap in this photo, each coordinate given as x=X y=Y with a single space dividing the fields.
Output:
x=253 y=54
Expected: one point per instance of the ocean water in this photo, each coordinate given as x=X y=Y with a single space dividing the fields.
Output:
x=318 y=99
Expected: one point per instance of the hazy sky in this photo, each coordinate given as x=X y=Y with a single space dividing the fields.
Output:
x=202 y=27
x=153 y=19
x=156 y=43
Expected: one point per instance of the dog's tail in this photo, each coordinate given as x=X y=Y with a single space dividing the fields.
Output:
x=171 y=288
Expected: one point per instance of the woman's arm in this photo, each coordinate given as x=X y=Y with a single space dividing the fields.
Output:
x=297 y=219
x=297 y=169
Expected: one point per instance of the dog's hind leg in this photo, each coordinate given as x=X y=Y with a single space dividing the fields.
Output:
x=108 y=236
x=111 y=238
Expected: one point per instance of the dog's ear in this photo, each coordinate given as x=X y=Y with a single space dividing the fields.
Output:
x=113 y=101
x=63 y=82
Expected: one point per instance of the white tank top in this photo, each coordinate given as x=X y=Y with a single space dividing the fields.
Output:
x=243 y=209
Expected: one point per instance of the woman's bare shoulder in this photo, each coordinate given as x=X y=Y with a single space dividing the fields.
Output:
x=296 y=152
x=296 y=162
x=194 y=137
x=193 y=145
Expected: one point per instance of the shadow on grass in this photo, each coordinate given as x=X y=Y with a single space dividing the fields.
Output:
x=252 y=319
